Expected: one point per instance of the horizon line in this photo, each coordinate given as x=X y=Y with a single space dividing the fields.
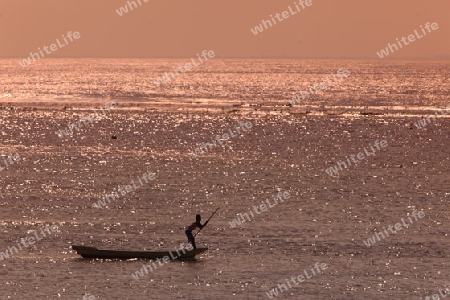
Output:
x=243 y=57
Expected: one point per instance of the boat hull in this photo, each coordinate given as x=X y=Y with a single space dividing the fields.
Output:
x=92 y=252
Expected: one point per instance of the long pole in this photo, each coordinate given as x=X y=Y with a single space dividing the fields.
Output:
x=203 y=226
x=207 y=221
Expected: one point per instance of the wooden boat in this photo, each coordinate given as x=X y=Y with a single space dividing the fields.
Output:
x=92 y=252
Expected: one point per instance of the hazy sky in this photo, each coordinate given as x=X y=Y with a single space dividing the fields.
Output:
x=182 y=28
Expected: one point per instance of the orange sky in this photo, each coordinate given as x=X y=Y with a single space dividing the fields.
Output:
x=182 y=28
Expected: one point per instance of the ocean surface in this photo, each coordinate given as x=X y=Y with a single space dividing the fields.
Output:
x=371 y=83
x=154 y=129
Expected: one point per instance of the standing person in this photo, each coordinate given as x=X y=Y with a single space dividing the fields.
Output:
x=193 y=226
